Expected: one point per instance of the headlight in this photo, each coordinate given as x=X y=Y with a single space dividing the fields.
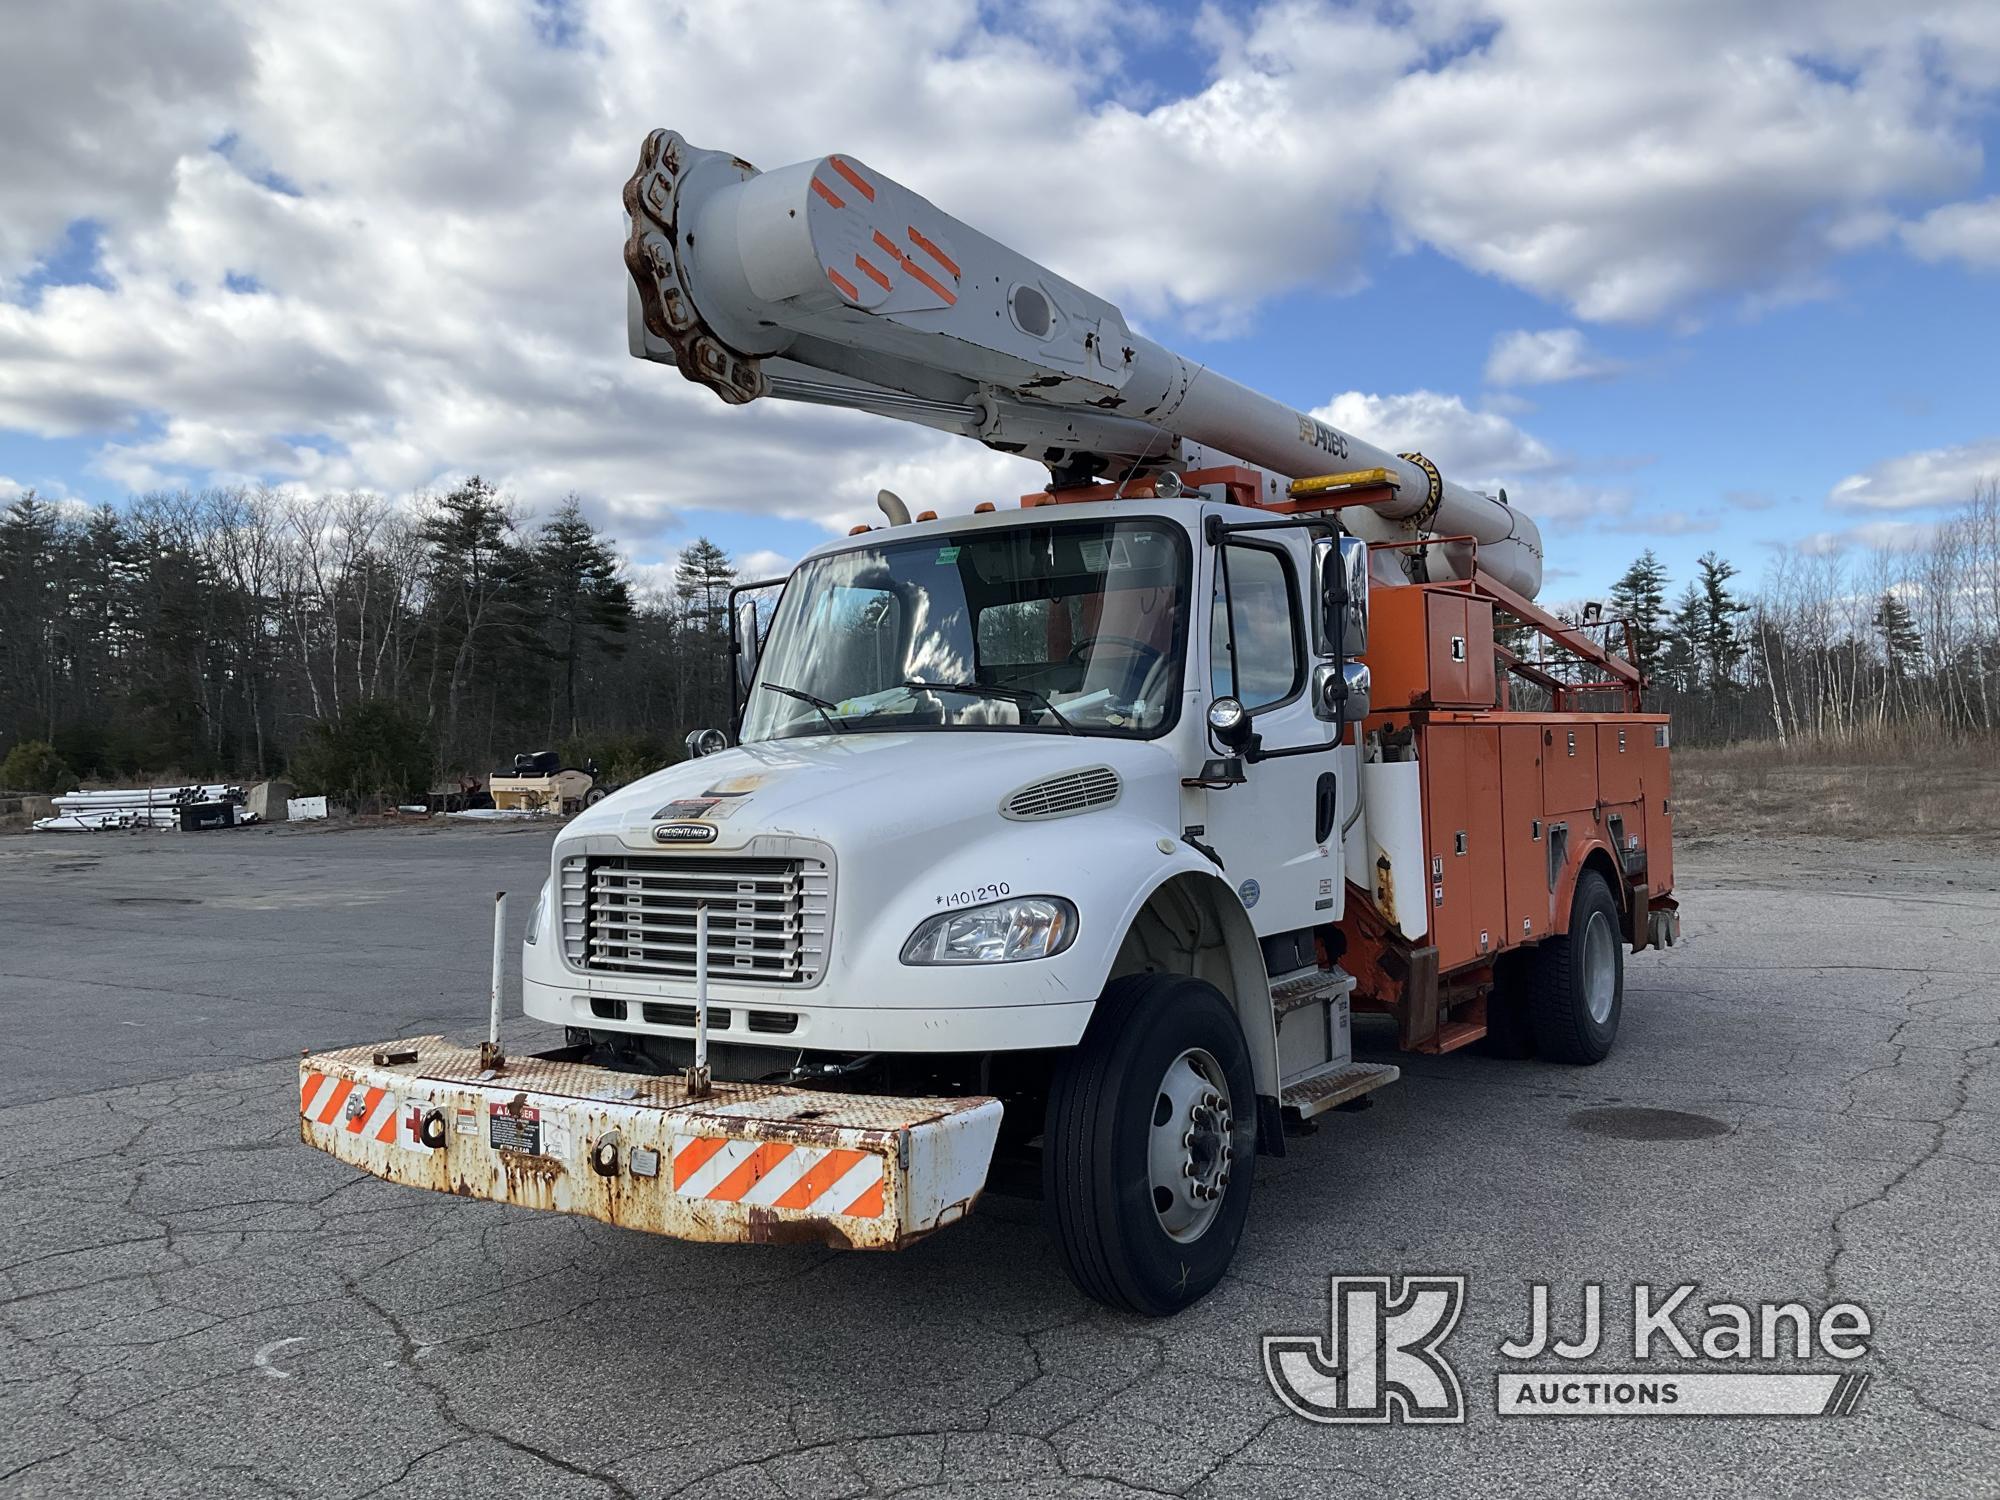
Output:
x=1004 y=932
x=534 y=932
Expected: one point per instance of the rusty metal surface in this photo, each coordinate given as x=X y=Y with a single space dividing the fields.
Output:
x=1315 y=1095
x=652 y=258
x=752 y=1163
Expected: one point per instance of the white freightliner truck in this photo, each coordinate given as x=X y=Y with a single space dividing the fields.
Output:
x=1071 y=833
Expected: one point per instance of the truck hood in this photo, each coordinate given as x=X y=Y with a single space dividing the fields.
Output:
x=866 y=788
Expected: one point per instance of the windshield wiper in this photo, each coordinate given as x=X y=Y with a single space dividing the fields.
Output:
x=986 y=690
x=819 y=705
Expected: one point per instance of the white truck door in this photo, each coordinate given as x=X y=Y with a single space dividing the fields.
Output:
x=1268 y=829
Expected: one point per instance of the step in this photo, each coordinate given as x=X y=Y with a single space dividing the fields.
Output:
x=1336 y=1083
x=1455 y=1034
x=1303 y=987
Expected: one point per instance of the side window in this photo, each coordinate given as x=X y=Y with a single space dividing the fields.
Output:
x=1260 y=614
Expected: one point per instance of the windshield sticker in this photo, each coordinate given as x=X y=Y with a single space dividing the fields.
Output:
x=684 y=812
x=947 y=555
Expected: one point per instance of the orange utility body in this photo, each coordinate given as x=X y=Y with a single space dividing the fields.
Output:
x=1516 y=803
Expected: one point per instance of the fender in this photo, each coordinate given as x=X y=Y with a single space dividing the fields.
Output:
x=1243 y=979
x=1590 y=850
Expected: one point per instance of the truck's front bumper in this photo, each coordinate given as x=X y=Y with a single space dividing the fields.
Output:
x=748 y=1163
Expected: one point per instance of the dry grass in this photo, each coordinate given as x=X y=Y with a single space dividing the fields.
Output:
x=1886 y=788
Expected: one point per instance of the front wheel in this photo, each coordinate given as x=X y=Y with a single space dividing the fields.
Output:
x=1149 y=1145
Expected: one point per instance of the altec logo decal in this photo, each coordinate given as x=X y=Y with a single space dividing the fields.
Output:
x=683 y=833
x=1381 y=1362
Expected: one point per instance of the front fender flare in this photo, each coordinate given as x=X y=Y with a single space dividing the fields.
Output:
x=1189 y=879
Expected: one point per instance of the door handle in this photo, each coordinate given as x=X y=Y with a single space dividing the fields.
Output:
x=1326 y=806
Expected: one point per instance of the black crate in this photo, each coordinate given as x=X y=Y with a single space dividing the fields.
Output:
x=196 y=816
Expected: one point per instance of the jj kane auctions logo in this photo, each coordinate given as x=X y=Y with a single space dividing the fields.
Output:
x=1382 y=1358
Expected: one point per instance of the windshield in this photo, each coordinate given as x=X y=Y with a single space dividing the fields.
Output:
x=1073 y=627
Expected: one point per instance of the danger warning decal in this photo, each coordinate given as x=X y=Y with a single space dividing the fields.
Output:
x=511 y=1127
x=371 y=1112
x=771 y=1174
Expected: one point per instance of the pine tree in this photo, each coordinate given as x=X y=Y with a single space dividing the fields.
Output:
x=702 y=578
x=1722 y=649
x=1681 y=652
x=1640 y=597
x=1902 y=648
x=587 y=605
x=479 y=581
x=31 y=612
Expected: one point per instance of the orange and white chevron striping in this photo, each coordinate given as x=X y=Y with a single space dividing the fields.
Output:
x=324 y=1098
x=772 y=1174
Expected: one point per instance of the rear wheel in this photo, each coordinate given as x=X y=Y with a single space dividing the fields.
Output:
x=1149 y=1145
x=1575 y=988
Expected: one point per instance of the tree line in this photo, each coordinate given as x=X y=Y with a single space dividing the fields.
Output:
x=1834 y=648
x=376 y=649
x=366 y=648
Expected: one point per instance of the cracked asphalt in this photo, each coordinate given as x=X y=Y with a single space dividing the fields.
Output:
x=196 y=1304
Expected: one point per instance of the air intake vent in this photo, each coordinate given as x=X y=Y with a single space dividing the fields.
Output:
x=1064 y=795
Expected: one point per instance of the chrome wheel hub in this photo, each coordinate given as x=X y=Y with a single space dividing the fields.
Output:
x=1189 y=1155
x=1600 y=967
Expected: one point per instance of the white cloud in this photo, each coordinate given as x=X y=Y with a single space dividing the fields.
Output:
x=1672 y=522
x=1469 y=446
x=1547 y=357
x=1871 y=536
x=380 y=248
x=1483 y=450
x=1935 y=476
x=1557 y=503
x=1959 y=231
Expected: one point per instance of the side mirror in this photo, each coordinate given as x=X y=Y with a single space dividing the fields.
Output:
x=745 y=633
x=1230 y=721
x=1340 y=691
x=1354 y=572
x=1354 y=708
x=1340 y=570
x=702 y=742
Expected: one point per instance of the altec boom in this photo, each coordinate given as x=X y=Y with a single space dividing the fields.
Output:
x=1069 y=836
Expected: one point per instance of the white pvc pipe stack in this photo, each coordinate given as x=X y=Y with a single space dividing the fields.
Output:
x=131 y=807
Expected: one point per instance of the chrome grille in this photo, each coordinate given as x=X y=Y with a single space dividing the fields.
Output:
x=767 y=918
x=1061 y=796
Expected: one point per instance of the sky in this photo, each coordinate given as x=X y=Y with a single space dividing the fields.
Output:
x=1684 y=275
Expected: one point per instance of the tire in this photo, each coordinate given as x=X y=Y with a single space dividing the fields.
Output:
x=1161 y=1049
x=594 y=796
x=1575 y=989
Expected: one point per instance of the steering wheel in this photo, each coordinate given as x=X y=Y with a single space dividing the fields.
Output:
x=1151 y=652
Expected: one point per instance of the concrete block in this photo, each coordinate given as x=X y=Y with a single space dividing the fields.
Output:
x=266 y=801
x=33 y=807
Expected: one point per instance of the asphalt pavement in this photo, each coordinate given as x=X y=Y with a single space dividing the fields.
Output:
x=193 y=1303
